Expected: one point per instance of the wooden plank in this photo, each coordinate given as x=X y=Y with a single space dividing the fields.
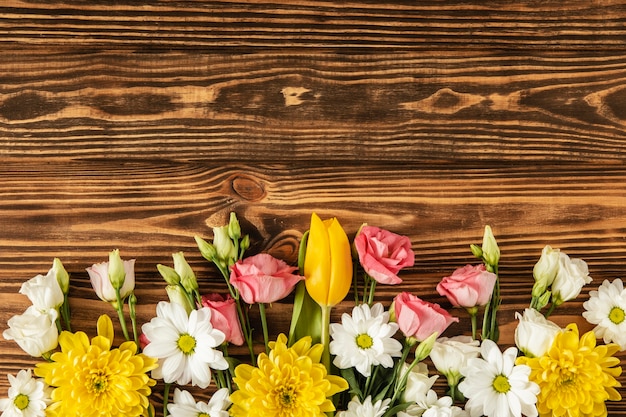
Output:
x=266 y=24
x=457 y=106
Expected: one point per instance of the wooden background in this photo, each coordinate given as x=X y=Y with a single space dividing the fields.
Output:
x=137 y=124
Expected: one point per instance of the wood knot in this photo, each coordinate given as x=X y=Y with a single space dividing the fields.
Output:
x=28 y=105
x=248 y=188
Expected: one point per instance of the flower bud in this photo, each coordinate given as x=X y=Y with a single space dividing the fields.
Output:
x=63 y=278
x=207 y=250
x=177 y=295
x=187 y=277
x=234 y=229
x=423 y=349
x=490 y=249
x=117 y=273
x=224 y=246
x=169 y=274
x=545 y=270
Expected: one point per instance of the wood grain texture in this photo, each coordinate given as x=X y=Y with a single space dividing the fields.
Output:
x=64 y=104
x=139 y=124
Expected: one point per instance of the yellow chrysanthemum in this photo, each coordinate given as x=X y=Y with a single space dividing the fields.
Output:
x=289 y=382
x=93 y=380
x=576 y=377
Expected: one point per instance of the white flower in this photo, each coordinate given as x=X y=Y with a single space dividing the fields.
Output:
x=606 y=308
x=418 y=383
x=184 y=405
x=44 y=291
x=496 y=387
x=367 y=409
x=364 y=339
x=545 y=270
x=184 y=345
x=450 y=355
x=28 y=397
x=431 y=406
x=534 y=333
x=101 y=281
x=572 y=275
x=34 y=331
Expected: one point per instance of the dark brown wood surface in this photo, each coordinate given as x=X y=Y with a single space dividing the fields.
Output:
x=139 y=124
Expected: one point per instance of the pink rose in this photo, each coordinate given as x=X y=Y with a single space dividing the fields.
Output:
x=419 y=319
x=468 y=286
x=383 y=254
x=224 y=317
x=263 y=279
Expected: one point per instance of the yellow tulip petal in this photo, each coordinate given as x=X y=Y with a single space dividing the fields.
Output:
x=341 y=263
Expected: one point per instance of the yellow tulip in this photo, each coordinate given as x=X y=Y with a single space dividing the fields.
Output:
x=328 y=262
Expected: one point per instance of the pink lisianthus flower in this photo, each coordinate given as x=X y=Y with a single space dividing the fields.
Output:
x=99 y=276
x=419 y=319
x=469 y=286
x=263 y=279
x=224 y=316
x=383 y=254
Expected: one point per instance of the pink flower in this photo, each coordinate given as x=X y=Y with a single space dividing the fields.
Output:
x=468 y=286
x=419 y=319
x=263 y=279
x=382 y=253
x=224 y=316
x=99 y=276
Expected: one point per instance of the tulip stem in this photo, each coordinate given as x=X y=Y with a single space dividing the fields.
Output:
x=325 y=337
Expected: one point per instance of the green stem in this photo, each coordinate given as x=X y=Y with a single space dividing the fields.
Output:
x=65 y=312
x=325 y=337
x=550 y=310
x=266 y=338
x=132 y=307
x=119 y=306
x=370 y=298
x=166 y=397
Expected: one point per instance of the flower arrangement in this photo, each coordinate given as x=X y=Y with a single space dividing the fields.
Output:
x=373 y=363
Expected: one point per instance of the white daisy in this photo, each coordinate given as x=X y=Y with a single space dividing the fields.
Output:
x=496 y=387
x=184 y=405
x=366 y=409
x=28 y=397
x=184 y=345
x=606 y=308
x=364 y=339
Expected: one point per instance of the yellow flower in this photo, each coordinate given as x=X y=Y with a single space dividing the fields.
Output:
x=575 y=376
x=289 y=382
x=328 y=262
x=90 y=379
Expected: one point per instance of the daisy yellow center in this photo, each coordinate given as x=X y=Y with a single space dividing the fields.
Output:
x=501 y=384
x=203 y=415
x=364 y=341
x=616 y=315
x=21 y=401
x=187 y=344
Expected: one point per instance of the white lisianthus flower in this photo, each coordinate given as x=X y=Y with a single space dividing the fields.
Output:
x=496 y=387
x=431 y=406
x=184 y=345
x=101 y=283
x=534 y=333
x=364 y=339
x=450 y=355
x=418 y=382
x=28 y=396
x=34 y=331
x=44 y=291
x=366 y=409
x=606 y=308
x=184 y=405
x=572 y=275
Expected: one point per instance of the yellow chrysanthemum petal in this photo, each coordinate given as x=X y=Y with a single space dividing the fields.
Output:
x=575 y=376
x=91 y=379
x=289 y=382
